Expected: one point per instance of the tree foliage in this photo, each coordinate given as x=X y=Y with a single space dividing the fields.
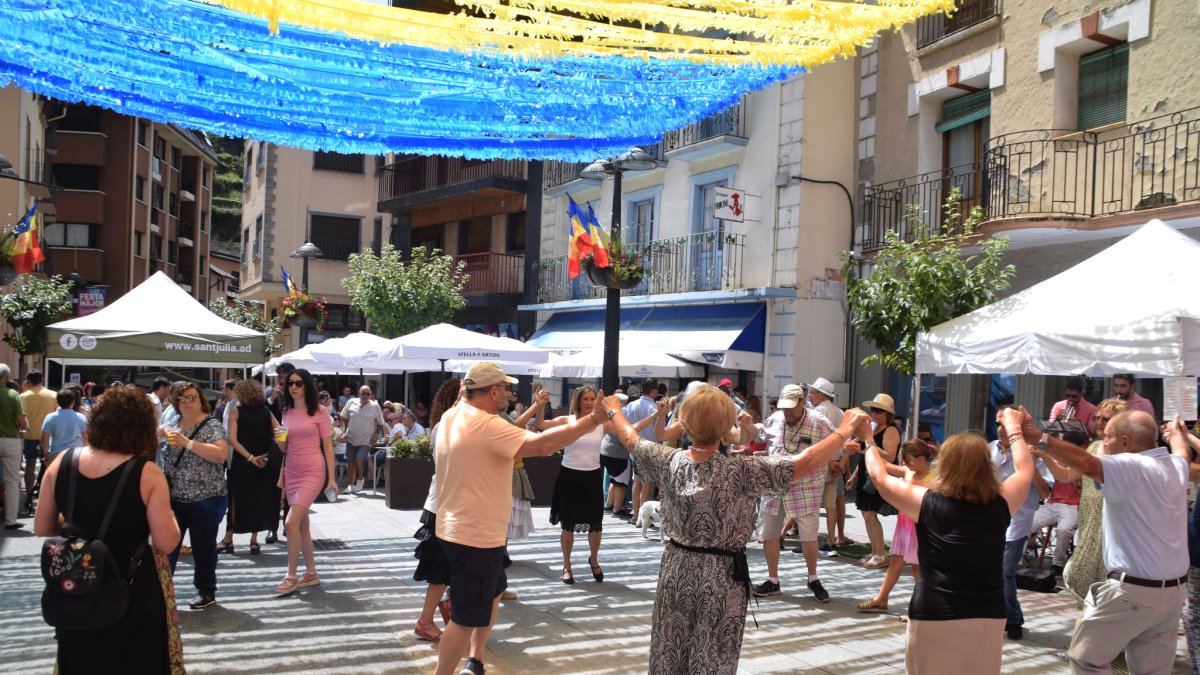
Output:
x=250 y=314
x=399 y=297
x=919 y=284
x=32 y=304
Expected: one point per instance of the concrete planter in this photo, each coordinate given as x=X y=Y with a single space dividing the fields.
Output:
x=407 y=482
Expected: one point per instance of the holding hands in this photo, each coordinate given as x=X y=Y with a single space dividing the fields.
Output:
x=855 y=423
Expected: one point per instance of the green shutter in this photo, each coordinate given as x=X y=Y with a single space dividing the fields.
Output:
x=961 y=111
x=1103 y=87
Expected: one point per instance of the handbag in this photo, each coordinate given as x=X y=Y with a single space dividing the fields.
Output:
x=84 y=587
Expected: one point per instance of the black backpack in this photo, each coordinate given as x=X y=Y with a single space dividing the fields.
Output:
x=84 y=588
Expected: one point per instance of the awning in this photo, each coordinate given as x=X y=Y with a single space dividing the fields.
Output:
x=725 y=335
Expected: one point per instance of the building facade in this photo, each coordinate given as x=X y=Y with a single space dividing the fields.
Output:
x=756 y=296
x=1068 y=127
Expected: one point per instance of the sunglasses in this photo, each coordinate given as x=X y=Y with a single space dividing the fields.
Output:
x=295 y=383
x=190 y=398
x=1101 y=419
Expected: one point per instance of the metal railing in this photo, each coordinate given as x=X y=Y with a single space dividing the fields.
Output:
x=703 y=261
x=417 y=174
x=934 y=27
x=1049 y=173
x=336 y=249
x=728 y=122
x=493 y=272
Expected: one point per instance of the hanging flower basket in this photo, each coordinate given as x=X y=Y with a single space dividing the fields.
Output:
x=304 y=311
x=624 y=269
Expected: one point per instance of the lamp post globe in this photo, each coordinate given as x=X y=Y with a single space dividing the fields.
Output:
x=308 y=250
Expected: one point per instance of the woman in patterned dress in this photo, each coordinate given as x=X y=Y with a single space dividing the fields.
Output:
x=708 y=504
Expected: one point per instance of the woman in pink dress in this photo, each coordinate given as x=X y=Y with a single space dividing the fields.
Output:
x=307 y=469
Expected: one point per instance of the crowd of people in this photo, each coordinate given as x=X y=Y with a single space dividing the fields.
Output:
x=1109 y=482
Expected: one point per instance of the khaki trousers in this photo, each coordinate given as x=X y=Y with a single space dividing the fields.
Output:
x=954 y=647
x=1144 y=622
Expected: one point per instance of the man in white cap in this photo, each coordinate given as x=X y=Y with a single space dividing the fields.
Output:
x=474 y=458
x=792 y=429
x=820 y=396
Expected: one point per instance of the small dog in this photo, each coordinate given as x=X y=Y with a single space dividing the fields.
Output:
x=650 y=513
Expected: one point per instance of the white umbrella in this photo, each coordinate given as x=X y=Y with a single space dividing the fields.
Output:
x=444 y=343
x=339 y=351
x=633 y=360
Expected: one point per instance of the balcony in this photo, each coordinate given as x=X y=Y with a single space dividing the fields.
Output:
x=932 y=28
x=187 y=233
x=704 y=261
x=712 y=135
x=428 y=182
x=80 y=206
x=1055 y=175
x=335 y=249
x=493 y=272
x=559 y=178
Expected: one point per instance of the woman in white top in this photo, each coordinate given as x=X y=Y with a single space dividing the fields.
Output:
x=578 y=501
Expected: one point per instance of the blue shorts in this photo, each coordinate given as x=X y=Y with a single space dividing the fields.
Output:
x=357 y=453
x=33 y=449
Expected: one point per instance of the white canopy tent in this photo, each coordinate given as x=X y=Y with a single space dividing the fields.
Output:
x=633 y=360
x=443 y=344
x=1129 y=309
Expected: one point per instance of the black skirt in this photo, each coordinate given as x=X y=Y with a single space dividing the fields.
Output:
x=432 y=566
x=578 y=501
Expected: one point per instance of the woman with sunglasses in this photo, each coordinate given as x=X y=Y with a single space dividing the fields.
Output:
x=307 y=469
x=194 y=462
x=1086 y=565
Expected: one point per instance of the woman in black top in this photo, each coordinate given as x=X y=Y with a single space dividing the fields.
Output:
x=957 y=613
x=871 y=504
x=121 y=429
x=252 y=435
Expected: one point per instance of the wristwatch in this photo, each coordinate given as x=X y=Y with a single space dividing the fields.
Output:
x=190 y=444
x=611 y=413
x=1042 y=443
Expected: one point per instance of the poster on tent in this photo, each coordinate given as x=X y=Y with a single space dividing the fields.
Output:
x=1179 y=398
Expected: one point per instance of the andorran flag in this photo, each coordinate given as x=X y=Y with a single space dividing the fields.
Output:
x=580 y=242
x=599 y=239
x=27 y=249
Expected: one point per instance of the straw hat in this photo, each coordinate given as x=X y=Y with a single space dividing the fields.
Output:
x=881 y=402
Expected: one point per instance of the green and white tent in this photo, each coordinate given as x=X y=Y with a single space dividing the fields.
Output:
x=155 y=324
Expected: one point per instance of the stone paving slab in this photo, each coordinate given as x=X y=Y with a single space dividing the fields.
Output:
x=360 y=618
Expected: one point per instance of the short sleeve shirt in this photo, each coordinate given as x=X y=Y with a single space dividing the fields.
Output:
x=66 y=429
x=363 y=420
x=804 y=494
x=38 y=403
x=1021 y=524
x=10 y=408
x=1145 y=514
x=639 y=410
x=195 y=478
x=474 y=461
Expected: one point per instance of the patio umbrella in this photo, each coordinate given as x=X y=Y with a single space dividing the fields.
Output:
x=443 y=342
x=340 y=351
x=634 y=360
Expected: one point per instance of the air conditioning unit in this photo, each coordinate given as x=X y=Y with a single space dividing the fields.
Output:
x=154 y=168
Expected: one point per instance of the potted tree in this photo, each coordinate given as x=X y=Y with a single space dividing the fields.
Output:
x=624 y=269
x=304 y=310
x=409 y=470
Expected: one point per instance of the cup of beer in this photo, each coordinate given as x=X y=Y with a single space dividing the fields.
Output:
x=281 y=434
x=172 y=432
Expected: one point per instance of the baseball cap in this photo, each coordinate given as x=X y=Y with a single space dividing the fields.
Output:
x=725 y=383
x=790 y=397
x=486 y=374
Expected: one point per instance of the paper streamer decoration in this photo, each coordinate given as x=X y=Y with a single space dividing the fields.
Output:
x=210 y=67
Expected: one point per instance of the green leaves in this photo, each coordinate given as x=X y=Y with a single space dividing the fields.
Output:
x=944 y=272
x=249 y=314
x=32 y=304
x=399 y=297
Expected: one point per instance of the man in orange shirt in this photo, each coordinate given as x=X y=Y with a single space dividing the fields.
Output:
x=475 y=449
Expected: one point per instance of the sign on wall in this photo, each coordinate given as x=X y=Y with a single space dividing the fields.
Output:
x=729 y=204
x=91 y=300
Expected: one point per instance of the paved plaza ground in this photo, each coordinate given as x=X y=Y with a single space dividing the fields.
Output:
x=360 y=618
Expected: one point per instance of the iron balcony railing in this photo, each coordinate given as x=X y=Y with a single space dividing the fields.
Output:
x=728 y=122
x=704 y=261
x=335 y=249
x=1048 y=173
x=418 y=174
x=934 y=27
x=493 y=272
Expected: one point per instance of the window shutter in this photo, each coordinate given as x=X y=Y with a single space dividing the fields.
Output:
x=1103 y=87
x=479 y=236
x=961 y=111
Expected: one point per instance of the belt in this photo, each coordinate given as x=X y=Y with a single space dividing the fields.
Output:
x=1148 y=583
x=741 y=567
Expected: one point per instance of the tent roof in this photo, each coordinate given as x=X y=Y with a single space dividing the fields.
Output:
x=1129 y=309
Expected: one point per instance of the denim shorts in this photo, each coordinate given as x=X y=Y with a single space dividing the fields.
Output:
x=357 y=453
x=33 y=449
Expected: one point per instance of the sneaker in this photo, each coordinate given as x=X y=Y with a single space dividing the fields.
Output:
x=472 y=667
x=508 y=595
x=831 y=553
x=766 y=588
x=824 y=548
x=309 y=579
x=358 y=487
x=818 y=590
x=203 y=600
x=1014 y=631
x=287 y=586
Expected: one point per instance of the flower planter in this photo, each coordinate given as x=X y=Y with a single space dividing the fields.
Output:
x=407 y=482
x=8 y=274
x=601 y=277
x=543 y=472
x=302 y=322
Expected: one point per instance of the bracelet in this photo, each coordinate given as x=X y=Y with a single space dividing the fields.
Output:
x=841 y=436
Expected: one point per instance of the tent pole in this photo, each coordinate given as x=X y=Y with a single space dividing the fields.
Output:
x=910 y=430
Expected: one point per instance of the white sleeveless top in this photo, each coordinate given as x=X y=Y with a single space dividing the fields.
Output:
x=584 y=454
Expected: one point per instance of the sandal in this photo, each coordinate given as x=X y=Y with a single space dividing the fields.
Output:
x=444 y=608
x=255 y=549
x=427 y=632
x=875 y=562
x=597 y=572
x=287 y=586
x=225 y=547
x=845 y=541
x=872 y=605
x=309 y=579
x=567 y=577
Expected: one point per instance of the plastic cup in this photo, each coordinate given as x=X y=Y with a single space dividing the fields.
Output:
x=172 y=432
x=281 y=434
x=331 y=494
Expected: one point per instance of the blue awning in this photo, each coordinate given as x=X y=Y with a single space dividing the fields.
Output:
x=727 y=335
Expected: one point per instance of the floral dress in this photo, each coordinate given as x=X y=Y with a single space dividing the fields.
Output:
x=1086 y=565
x=700 y=609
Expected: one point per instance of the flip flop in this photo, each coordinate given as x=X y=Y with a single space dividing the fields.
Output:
x=872 y=605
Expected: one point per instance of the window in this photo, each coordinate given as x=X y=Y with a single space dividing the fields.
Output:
x=203 y=265
x=380 y=160
x=514 y=236
x=139 y=189
x=155 y=247
x=336 y=161
x=172 y=251
x=965 y=126
x=706 y=206
x=430 y=237
x=934 y=27
x=707 y=255
x=71 y=235
x=176 y=158
x=160 y=147
x=336 y=236
x=76 y=176
x=142 y=128
x=258 y=237
x=246 y=169
x=137 y=244
x=342 y=318
x=80 y=118
x=156 y=197
x=475 y=236
x=1103 y=87
x=174 y=211
x=204 y=177
x=245 y=244
x=204 y=221
x=640 y=228
x=262 y=158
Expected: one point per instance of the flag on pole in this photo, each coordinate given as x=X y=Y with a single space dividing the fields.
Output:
x=580 y=242
x=27 y=249
x=288 y=284
x=600 y=241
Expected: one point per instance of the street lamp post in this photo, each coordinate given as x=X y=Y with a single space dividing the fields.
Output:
x=633 y=160
x=308 y=250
